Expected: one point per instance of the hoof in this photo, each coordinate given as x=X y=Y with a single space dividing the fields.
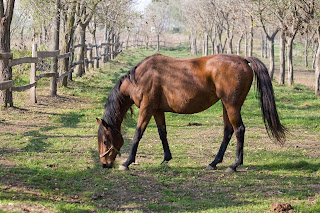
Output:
x=123 y=168
x=230 y=170
x=209 y=167
x=164 y=162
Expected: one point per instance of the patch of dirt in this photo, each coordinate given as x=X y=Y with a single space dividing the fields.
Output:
x=24 y=207
x=26 y=116
x=281 y=207
x=304 y=77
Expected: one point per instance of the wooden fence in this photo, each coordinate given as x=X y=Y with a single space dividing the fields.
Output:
x=55 y=77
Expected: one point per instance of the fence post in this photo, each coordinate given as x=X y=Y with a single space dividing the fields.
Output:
x=71 y=66
x=85 y=59
x=107 y=52
x=104 y=51
x=90 y=55
x=33 y=98
x=96 y=61
x=53 y=80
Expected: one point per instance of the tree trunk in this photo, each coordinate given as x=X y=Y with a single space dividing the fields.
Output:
x=112 y=37
x=314 y=55
x=194 y=50
x=306 y=50
x=251 y=38
x=246 y=45
x=205 y=47
x=94 y=42
x=5 y=70
x=80 y=68
x=93 y=29
x=230 y=49
x=56 y=33
x=213 y=37
x=266 y=49
x=289 y=59
x=317 y=71
x=271 y=59
x=282 y=59
x=239 y=45
x=219 y=44
x=69 y=21
x=107 y=40
x=158 y=42
x=262 y=46
x=271 y=44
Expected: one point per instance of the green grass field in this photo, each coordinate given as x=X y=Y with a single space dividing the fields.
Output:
x=49 y=160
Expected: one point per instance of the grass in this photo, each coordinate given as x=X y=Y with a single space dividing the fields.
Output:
x=49 y=160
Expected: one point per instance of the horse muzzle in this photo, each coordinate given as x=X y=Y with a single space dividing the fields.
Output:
x=108 y=166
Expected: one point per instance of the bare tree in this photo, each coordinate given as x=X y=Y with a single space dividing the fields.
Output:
x=316 y=24
x=157 y=16
x=56 y=36
x=6 y=13
x=265 y=15
x=69 y=23
x=85 y=11
x=291 y=14
x=116 y=15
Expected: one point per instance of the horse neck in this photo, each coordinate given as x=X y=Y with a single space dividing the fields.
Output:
x=124 y=107
x=115 y=116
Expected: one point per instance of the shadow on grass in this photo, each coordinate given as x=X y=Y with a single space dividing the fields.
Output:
x=37 y=142
x=69 y=119
x=156 y=188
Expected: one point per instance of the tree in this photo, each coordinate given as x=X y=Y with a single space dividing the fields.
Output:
x=292 y=14
x=116 y=16
x=316 y=24
x=6 y=13
x=157 y=16
x=265 y=15
x=69 y=24
x=85 y=11
x=56 y=36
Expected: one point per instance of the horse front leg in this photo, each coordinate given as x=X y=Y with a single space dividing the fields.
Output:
x=143 y=120
x=161 y=124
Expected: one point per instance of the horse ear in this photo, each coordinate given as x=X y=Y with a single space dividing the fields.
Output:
x=98 y=121
x=104 y=123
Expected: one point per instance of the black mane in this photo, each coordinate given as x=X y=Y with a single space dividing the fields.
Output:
x=112 y=113
x=115 y=100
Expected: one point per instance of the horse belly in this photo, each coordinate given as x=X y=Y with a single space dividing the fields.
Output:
x=185 y=104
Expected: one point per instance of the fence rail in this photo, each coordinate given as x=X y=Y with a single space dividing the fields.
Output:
x=102 y=51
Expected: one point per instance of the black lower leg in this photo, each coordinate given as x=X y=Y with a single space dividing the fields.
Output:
x=239 y=152
x=132 y=155
x=228 y=131
x=165 y=145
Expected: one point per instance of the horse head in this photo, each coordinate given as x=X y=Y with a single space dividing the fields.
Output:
x=109 y=144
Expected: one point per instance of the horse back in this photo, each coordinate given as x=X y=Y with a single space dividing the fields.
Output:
x=188 y=85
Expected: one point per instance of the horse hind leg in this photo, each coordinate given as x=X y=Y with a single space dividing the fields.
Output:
x=239 y=128
x=161 y=124
x=227 y=134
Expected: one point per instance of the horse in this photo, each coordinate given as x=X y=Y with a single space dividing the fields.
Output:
x=160 y=84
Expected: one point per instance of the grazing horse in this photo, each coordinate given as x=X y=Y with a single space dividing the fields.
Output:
x=160 y=84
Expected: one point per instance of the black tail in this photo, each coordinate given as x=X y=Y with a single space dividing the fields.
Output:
x=268 y=105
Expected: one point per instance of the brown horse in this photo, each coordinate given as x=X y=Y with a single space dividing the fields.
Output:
x=162 y=84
